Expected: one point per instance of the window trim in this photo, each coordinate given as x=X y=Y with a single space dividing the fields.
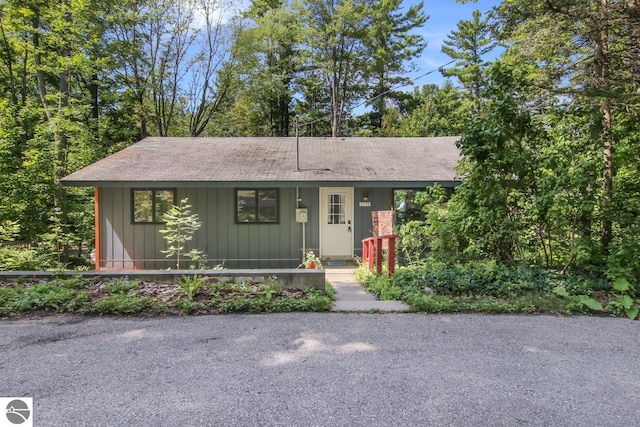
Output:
x=257 y=205
x=154 y=220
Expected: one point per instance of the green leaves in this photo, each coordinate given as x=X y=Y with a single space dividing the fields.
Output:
x=489 y=287
x=588 y=302
x=180 y=225
x=624 y=303
x=622 y=285
x=124 y=297
x=561 y=292
x=434 y=111
x=500 y=147
x=191 y=285
x=468 y=44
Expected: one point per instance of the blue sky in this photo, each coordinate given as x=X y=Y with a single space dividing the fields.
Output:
x=444 y=16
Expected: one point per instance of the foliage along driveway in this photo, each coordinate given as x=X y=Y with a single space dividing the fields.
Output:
x=324 y=369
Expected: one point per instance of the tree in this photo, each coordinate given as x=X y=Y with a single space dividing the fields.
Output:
x=436 y=111
x=180 y=225
x=468 y=45
x=500 y=151
x=171 y=39
x=271 y=61
x=335 y=30
x=391 y=44
x=588 y=62
x=212 y=76
x=46 y=64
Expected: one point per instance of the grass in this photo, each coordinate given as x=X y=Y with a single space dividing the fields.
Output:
x=121 y=296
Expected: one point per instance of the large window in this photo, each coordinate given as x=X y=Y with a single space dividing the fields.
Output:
x=257 y=206
x=150 y=204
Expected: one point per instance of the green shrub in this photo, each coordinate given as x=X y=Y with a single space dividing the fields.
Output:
x=44 y=296
x=121 y=304
x=433 y=304
x=330 y=291
x=241 y=304
x=121 y=286
x=315 y=301
x=19 y=259
x=491 y=279
x=488 y=287
x=267 y=299
x=188 y=306
x=8 y=296
x=191 y=285
x=76 y=282
x=383 y=287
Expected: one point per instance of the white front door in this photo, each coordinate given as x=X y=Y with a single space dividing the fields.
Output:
x=336 y=222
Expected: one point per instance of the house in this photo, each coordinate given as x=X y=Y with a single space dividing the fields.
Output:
x=261 y=200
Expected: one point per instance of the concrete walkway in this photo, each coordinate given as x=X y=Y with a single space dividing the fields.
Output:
x=350 y=296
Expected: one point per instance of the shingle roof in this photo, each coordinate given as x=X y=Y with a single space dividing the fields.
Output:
x=205 y=161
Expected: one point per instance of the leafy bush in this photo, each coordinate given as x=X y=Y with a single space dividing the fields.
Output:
x=121 y=304
x=191 y=285
x=122 y=286
x=188 y=306
x=267 y=299
x=435 y=287
x=440 y=235
x=492 y=279
x=44 y=296
x=19 y=259
x=130 y=297
x=433 y=304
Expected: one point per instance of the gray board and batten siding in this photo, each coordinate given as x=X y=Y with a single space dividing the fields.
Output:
x=125 y=245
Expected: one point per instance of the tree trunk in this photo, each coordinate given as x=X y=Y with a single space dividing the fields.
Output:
x=633 y=19
x=336 y=115
x=603 y=86
x=62 y=146
x=142 y=117
x=94 y=125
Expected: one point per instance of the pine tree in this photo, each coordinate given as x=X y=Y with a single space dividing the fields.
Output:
x=468 y=45
x=392 y=44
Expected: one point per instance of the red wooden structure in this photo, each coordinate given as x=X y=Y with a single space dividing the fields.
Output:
x=372 y=249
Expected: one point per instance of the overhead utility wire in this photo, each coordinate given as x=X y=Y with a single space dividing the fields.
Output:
x=328 y=116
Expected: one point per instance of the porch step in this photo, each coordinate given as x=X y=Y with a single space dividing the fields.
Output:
x=351 y=296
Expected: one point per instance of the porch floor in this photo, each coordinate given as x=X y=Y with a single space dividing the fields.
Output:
x=351 y=296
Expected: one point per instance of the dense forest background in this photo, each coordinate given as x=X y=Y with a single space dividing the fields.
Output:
x=549 y=125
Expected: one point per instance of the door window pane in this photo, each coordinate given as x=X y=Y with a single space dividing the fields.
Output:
x=337 y=204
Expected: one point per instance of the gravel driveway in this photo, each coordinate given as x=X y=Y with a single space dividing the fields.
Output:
x=324 y=369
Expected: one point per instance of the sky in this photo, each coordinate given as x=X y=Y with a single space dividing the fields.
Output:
x=444 y=16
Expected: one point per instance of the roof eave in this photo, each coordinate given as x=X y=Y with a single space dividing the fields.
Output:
x=449 y=183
